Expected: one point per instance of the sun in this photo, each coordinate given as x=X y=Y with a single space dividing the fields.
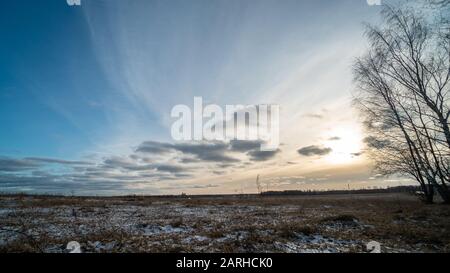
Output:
x=345 y=143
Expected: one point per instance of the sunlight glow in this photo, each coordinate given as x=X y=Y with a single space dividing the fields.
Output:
x=346 y=145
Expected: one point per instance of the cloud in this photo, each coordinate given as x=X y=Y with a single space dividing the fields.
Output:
x=314 y=116
x=129 y=163
x=32 y=163
x=16 y=165
x=214 y=151
x=188 y=160
x=334 y=138
x=211 y=151
x=153 y=147
x=314 y=150
x=117 y=162
x=245 y=145
x=374 y=143
x=257 y=155
x=67 y=184
x=279 y=181
x=207 y=151
x=225 y=165
x=169 y=168
x=111 y=174
x=194 y=186
x=176 y=161
x=203 y=186
x=57 y=161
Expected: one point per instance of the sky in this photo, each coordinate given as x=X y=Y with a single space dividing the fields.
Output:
x=86 y=94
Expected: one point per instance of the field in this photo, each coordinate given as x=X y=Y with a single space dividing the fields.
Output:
x=293 y=224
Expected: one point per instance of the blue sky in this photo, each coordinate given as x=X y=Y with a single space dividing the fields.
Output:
x=45 y=53
x=86 y=91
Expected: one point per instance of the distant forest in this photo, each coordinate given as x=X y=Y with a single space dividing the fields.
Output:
x=397 y=189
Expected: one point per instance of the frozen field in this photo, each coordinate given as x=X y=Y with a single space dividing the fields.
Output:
x=338 y=223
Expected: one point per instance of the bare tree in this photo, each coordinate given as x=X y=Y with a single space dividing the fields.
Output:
x=439 y=3
x=403 y=95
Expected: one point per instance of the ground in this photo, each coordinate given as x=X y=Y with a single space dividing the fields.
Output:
x=294 y=224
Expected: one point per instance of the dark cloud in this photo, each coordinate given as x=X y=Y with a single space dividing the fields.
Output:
x=188 y=160
x=183 y=175
x=17 y=165
x=253 y=149
x=225 y=165
x=245 y=145
x=374 y=143
x=314 y=150
x=208 y=151
x=257 y=155
x=117 y=162
x=214 y=151
x=57 y=161
x=169 y=168
x=334 y=138
x=137 y=167
x=33 y=163
x=153 y=147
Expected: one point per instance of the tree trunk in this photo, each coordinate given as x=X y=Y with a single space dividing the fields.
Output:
x=445 y=194
x=428 y=194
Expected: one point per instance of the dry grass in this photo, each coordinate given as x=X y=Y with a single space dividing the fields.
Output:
x=339 y=223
